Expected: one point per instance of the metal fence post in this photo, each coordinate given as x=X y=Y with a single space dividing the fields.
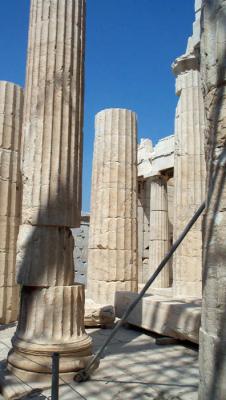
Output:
x=55 y=377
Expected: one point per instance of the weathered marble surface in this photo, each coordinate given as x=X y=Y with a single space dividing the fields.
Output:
x=189 y=170
x=53 y=114
x=143 y=222
x=144 y=155
x=123 y=372
x=81 y=239
x=159 y=230
x=151 y=160
x=98 y=315
x=45 y=256
x=11 y=112
x=51 y=315
x=212 y=360
x=112 y=255
x=167 y=316
x=51 y=319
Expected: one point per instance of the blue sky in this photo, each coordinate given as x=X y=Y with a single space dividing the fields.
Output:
x=130 y=45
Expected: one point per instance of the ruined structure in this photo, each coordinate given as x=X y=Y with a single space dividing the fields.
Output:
x=51 y=315
x=112 y=254
x=177 y=162
x=141 y=201
x=189 y=167
x=212 y=358
x=155 y=207
x=11 y=111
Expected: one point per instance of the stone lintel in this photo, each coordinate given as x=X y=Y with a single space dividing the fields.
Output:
x=166 y=316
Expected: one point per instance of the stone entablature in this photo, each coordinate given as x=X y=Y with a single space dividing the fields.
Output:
x=152 y=160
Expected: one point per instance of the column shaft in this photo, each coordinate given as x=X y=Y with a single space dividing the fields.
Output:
x=140 y=229
x=52 y=308
x=159 y=229
x=143 y=222
x=53 y=114
x=212 y=339
x=112 y=260
x=11 y=112
x=189 y=175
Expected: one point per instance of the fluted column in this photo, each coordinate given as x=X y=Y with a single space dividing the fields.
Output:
x=212 y=338
x=159 y=230
x=51 y=319
x=11 y=113
x=112 y=258
x=140 y=228
x=189 y=175
x=51 y=312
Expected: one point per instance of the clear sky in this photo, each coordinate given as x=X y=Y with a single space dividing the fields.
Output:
x=130 y=45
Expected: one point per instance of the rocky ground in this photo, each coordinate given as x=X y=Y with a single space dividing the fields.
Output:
x=134 y=367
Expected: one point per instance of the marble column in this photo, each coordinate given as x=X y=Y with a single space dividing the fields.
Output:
x=112 y=256
x=170 y=195
x=143 y=221
x=51 y=315
x=159 y=230
x=140 y=228
x=212 y=338
x=11 y=113
x=189 y=175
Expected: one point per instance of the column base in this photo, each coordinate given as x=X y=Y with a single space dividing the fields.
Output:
x=29 y=369
x=51 y=321
x=37 y=358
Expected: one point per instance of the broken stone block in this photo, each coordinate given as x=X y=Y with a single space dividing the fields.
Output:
x=98 y=315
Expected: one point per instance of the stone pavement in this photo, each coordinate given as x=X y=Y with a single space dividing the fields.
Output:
x=134 y=368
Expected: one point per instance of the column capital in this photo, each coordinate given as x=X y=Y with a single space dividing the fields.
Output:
x=185 y=63
x=158 y=178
